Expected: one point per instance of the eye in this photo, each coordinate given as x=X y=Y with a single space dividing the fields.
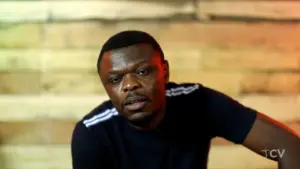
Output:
x=115 y=80
x=143 y=72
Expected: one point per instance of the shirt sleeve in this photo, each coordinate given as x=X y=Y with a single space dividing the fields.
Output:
x=86 y=151
x=225 y=116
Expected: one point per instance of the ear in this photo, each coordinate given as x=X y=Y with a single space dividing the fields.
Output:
x=166 y=71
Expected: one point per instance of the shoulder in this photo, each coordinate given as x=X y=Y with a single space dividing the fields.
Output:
x=182 y=89
x=96 y=125
x=184 y=97
x=195 y=91
x=102 y=114
x=90 y=135
x=100 y=118
x=195 y=96
x=95 y=129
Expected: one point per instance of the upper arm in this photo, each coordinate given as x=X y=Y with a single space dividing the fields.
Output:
x=272 y=139
x=226 y=117
x=242 y=125
x=86 y=151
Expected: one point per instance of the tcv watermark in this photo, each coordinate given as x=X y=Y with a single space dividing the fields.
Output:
x=274 y=153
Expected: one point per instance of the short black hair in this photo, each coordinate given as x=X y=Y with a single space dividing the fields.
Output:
x=128 y=38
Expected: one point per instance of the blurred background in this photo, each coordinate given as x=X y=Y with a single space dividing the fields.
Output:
x=249 y=50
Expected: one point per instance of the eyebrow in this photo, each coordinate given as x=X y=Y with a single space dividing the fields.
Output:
x=140 y=63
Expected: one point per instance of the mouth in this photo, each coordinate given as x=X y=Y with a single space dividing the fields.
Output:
x=135 y=103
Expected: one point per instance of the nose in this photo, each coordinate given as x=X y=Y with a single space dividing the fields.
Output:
x=130 y=83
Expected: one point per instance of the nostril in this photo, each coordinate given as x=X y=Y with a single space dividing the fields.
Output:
x=125 y=90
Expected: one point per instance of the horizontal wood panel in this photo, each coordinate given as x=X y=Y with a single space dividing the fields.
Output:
x=71 y=83
x=21 y=11
x=45 y=107
x=226 y=35
x=271 y=83
x=64 y=10
x=84 y=60
x=17 y=36
x=180 y=57
x=89 y=83
x=264 y=37
x=36 y=157
x=21 y=60
x=116 y=10
x=36 y=132
x=59 y=157
x=283 y=108
x=283 y=10
x=249 y=58
x=238 y=83
x=20 y=83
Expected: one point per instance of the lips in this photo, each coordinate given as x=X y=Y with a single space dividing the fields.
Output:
x=135 y=103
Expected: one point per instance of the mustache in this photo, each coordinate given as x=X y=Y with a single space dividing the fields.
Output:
x=134 y=96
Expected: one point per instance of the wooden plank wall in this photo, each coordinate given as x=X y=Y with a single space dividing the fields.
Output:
x=48 y=50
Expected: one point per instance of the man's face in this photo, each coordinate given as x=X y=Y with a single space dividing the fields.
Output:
x=134 y=78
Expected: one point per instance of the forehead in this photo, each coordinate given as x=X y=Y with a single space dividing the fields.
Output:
x=127 y=56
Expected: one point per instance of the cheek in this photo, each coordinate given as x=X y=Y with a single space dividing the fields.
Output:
x=113 y=94
x=155 y=84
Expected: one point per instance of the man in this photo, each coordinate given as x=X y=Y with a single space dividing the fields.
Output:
x=151 y=123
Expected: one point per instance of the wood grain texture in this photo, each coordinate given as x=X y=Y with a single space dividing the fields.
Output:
x=270 y=38
x=39 y=132
x=89 y=83
x=77 y=78
x=282 y=108
x=14 y=60
x=273 y=37
x=236 y=83
x=57 y=107
x=59 y=157
x=84 y=60
x=45 y=107
x=36 y=157
x=287 y=83
x=21 y=11
x=85 y=83
x=20 y=83
x=114 y=10
x=180 y=57
x=281 y=10
x=17 y=36
x=249 y=58
x=72 y=83
x=234 y=35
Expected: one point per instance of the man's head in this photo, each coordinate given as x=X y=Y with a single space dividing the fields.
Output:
x=133 y=72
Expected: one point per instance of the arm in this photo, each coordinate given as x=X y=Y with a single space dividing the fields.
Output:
x=275 y=141
x=86 y=151
x=243 y=125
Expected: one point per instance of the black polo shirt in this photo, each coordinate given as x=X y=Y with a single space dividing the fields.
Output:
x=195 y=114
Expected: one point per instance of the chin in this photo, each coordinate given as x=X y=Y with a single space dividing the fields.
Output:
x=141 y=118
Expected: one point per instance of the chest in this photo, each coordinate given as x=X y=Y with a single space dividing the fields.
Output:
x=155 y=151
